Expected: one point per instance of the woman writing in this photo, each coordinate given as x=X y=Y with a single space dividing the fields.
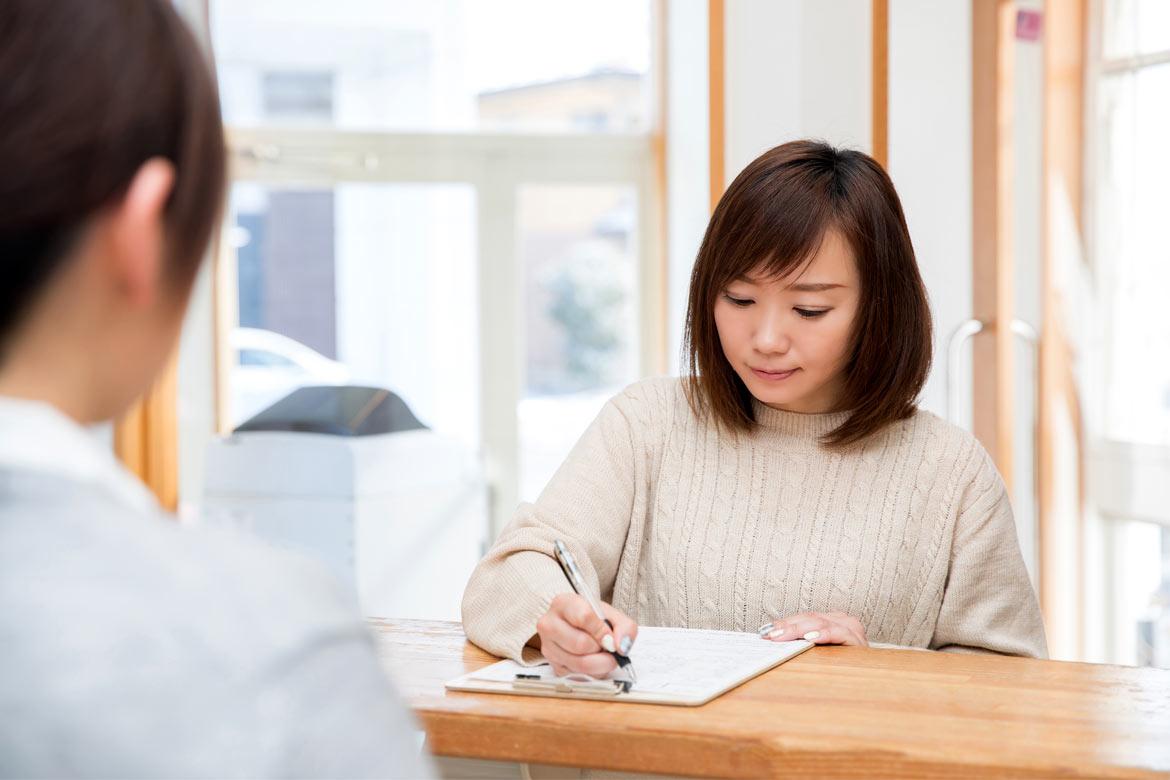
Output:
x=788 y=484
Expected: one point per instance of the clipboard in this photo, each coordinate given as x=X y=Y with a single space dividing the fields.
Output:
x=676 y=666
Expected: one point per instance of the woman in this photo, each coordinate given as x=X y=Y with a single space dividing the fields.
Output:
x=131 y=646
x=789 y=484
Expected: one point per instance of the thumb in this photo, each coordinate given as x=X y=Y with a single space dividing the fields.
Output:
x=625 y=630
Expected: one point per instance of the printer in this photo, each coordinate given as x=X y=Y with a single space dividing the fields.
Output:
x=349 y=476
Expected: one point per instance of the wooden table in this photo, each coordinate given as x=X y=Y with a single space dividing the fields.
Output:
x=831 y=712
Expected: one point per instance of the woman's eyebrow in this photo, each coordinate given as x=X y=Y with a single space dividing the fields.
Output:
x=814 y=286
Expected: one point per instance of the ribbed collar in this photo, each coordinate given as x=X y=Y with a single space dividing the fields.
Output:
x=801 y=426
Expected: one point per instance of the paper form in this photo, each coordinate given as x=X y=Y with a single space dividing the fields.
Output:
x=680 y=663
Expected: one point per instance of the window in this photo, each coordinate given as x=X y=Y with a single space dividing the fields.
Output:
x=303 y=96
x=373 y=284
x=442 y=66
x=1135 y=27
x=452 y=200
x=255 y=357
x=1130 y=164
x=578 y=251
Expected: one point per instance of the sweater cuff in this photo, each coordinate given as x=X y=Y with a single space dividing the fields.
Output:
x=529 y=582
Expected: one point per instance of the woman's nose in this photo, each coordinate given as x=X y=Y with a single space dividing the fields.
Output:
x=771 y=334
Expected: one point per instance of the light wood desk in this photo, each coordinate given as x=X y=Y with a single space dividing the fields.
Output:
x=830 y=712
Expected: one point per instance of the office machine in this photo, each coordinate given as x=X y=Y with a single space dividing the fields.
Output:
x=350 y=476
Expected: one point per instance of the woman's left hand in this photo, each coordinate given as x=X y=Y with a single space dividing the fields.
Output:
x=822 y=628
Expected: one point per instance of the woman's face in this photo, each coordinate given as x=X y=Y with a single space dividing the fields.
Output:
x=788 y=339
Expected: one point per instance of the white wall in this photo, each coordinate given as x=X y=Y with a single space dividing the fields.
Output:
x=930 y=159
x=796 y=69
x=801 y=68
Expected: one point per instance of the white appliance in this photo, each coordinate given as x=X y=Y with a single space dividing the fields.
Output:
x=402 y=516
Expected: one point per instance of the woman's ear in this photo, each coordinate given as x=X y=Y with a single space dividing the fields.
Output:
x=135 y=234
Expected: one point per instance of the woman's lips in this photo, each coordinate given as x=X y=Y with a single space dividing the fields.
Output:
x=774 y=376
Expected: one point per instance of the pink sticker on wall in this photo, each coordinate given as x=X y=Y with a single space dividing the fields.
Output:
x=1028 y=25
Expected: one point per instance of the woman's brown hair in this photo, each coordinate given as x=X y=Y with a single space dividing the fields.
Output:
x=772 y=220
x=89 y=91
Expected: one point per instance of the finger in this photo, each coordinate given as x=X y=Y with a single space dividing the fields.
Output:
x=850 y=622
x=596 y=665
x=769 y=627
x=835 y=634
x=592 y=664
x=560 y=660
x=572 y=639
x=820 y=630
x=575 y=611
x=625 y=630
x=796 y=627
x=781 y=623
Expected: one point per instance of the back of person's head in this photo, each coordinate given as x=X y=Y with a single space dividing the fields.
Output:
x=90 y=92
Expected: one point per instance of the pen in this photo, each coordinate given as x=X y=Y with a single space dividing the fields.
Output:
x=569 y=567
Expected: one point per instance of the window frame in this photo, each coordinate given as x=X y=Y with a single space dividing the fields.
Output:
x=496 y=166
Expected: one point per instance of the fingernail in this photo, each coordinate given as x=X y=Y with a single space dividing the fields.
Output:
x=626 y=644
x=776 y=634
x=764 y=629
x=812 y=636
x=607 y=643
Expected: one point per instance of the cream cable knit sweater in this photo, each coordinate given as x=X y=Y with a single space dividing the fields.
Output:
x=677 y=524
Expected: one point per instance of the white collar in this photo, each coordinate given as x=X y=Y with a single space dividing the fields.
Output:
x=35 y=436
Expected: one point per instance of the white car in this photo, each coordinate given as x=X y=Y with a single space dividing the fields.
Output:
x=269 y=366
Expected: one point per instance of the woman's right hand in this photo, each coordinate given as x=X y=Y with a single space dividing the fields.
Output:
x=574 y=639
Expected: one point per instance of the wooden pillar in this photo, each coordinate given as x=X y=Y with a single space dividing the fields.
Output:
x=146 y=439
x=715 y=98
x=880 y=82
x=993 y=32
x=1060 y=483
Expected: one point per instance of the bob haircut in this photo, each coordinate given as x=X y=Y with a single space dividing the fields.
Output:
x=91 y=90
x=771 y=221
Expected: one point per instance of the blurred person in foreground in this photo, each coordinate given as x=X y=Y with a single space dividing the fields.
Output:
x=130 y=645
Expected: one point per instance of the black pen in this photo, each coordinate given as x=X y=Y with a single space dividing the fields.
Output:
x=573 y=574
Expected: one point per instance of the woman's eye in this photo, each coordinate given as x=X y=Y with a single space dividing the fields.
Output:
x=741 y=302
x=811 y=314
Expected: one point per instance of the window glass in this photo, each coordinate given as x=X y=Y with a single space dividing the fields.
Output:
x=1133 y=258
x=441 y=65
x=578 y=246
x=370 y=284
x=1135 y=27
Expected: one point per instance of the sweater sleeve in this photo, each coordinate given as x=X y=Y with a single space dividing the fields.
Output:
x=989 y=604
x=587 y=504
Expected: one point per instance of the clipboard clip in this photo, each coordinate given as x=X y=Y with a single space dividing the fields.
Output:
x=573 y=683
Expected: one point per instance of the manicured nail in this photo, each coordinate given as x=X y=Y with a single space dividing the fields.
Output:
x=607 y=643
x=626 y=644
x=812 y=636
x=764 y=629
